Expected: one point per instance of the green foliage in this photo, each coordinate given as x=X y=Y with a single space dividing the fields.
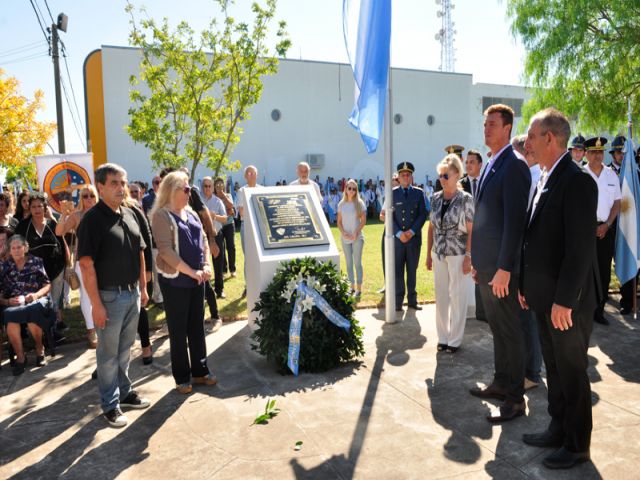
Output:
x=323 y=345
x=583 y=57
x=270 y=411
x=196 y=91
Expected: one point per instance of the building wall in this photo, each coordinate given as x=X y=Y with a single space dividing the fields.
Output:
x=315 y=100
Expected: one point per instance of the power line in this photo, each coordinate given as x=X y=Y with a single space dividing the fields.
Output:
x=48 y=10
x=73 y=93
x=24 y=59
x=73 y=116
x=39 y=21
x=28 y=46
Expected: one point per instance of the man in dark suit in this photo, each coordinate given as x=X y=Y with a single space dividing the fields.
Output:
x=409 y=215
x=561 y=285
x=498 y=224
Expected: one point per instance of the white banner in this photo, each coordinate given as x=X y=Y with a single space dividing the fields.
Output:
x=62 y=176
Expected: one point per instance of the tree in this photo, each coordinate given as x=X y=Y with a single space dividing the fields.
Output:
x=582 y=57
x=21 y=135
x=199 y=90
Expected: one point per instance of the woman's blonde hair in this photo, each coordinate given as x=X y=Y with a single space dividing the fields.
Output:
x=170 y=183
x=356 y=197
x=85 y=188
x=451 y=162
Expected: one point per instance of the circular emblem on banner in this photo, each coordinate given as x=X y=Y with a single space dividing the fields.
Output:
x=63 y=182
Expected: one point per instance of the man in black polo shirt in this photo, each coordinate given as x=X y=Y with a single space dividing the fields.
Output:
x=110 y=251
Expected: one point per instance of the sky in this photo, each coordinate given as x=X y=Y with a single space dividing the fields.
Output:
x=484 y=45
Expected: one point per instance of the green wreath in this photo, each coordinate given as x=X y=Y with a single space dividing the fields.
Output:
x=323 y=345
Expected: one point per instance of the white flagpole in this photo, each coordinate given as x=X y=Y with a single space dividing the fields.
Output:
x=389 y=247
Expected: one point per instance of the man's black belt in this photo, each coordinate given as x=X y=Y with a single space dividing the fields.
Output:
x=127 y=287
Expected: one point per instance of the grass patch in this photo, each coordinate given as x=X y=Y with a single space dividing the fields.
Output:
x=234 y=307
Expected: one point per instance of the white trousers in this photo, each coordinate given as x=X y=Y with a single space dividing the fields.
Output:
x=452 y=297
x=85 y=302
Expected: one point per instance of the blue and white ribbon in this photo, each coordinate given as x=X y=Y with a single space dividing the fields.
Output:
x=304 y=294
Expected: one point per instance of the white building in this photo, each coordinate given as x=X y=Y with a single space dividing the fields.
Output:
x=302 y=115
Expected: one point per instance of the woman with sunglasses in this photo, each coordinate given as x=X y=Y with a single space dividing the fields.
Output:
x=68 y=223
x=39 y=230
x=183 y=267
x=228 y=228
x=351 y=220
x=449 y=253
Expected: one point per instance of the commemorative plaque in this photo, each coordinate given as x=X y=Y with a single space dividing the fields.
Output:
x=287 y=220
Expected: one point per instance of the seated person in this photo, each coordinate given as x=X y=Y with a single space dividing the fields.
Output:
x=25 y=295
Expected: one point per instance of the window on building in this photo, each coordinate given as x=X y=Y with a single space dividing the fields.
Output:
x=515 y=103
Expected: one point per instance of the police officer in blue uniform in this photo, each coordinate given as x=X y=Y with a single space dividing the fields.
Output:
x=409 y=215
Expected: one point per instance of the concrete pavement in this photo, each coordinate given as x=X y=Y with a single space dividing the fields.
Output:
x=402 y=412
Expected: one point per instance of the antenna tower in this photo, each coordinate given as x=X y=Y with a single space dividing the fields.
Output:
x=446 y=36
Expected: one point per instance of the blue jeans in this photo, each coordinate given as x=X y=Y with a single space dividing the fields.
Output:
x=353 y=256
x=533 y=352
x=114 y=345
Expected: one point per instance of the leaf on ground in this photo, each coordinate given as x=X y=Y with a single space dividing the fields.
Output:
x=298 y=445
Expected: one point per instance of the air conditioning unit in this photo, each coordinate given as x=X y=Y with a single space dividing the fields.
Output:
x=315 y=160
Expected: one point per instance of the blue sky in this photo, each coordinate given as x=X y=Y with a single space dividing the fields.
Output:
x=484 y=44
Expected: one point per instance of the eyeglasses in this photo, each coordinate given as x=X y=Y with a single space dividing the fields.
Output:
x=89 y=195
x=444 y=175
x=352 y=189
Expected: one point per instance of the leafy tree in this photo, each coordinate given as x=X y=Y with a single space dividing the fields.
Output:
x=583 y=56
x=198 y=90
x=21 y=135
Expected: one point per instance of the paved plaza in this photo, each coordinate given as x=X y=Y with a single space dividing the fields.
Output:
x=402 y=412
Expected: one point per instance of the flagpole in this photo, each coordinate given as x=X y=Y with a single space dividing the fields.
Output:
x=389 y=246
x=635 y=286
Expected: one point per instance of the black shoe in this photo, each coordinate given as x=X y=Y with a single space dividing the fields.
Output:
x=482 y=319
x=116 y=418
x=543 y=439
x=563 y=458
x=508 y=411
x=147 y=360
x=221 y=295
x=94 y=374
x=441 y=347
x=133 y=400
x=41 y=361
x=398 y=309
x=18 y=367
x=601 y=319
x=415 y=306
x=451 y=349
x=492 y=391
x=625 y=311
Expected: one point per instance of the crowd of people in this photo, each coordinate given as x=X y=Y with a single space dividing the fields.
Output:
x=497 y=229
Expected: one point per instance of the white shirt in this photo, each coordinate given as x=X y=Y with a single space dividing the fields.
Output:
x=311 y=182
x=241 y=199
x=490 y=164
x=540 y=184
x=536 y=171
x=216 y=206
x=608 y=190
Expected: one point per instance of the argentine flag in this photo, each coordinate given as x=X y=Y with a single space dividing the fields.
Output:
x=367 y=35
x=627 y=248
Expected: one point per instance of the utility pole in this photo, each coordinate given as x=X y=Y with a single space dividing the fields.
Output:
x=60 y=25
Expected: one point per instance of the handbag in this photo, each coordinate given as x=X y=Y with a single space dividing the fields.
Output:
x=70 y=275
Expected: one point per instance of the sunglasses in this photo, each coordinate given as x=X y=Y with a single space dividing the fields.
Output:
x=352 y=189
x=186 y=189
x=206 y=186
x=444 y=175
x=89 y=195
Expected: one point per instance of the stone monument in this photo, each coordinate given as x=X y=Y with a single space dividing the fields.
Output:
x=282 y=223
